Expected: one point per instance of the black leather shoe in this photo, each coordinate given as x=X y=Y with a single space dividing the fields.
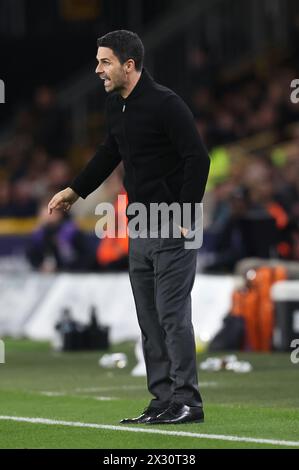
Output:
x=148 y=414
x=178 y=413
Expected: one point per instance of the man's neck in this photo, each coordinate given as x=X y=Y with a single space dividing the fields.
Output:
x=131 y=85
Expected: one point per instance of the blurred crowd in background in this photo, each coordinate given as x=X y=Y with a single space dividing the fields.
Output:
x=234 y=109
x=253 y=192
x=33 y=162
x=251 y=207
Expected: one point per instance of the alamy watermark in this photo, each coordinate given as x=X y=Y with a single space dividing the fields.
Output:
x=163 y=220
x=2 y=92
x=2 y=352
x=295 y=93
x=295 y=353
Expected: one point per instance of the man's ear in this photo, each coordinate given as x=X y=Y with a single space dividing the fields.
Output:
x=130 y=65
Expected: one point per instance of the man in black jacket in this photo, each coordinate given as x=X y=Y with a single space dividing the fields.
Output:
x=152 y=131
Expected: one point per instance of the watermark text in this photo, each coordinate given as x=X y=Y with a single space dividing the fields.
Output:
x=295 y=93
x=2 y=352
x=2 y=92
x=295 y=353
x=159 y=220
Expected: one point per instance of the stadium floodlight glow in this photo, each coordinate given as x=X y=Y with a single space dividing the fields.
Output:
x=2 y=92
x=2 y=352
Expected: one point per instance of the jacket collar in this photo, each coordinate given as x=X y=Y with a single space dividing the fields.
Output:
x=144 y=81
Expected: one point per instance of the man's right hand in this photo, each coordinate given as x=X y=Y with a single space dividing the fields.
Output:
x=63 y=200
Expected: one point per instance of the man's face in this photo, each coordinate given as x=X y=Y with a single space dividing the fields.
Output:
x=110 y=70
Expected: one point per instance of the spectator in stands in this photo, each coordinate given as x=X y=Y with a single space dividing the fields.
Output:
x=112 y=253
x=263 y=202
x=58 y=175
x=23 y=202
x=6 y=206
x=38 y=173
x=289 y=191
x=226 y=242
x=49 y=122
x=58 y=244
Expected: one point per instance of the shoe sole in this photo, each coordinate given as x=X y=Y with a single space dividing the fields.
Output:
x=134 y=422
x=200 y=420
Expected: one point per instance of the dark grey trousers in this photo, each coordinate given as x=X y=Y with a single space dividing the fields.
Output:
x=162 y=273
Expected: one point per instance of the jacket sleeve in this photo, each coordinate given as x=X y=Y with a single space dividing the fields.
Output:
x=179 y=125
x=98 y=168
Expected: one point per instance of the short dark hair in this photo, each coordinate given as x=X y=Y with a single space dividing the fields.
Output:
x=125 y=45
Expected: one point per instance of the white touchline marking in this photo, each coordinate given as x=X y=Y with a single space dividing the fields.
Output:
x=106 y=389
x=132 y=387
x=64 y=394
x=220 y=437
x=208 y=384
x=105 y=398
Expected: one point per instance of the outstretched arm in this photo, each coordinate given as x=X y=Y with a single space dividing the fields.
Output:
x=97 y=169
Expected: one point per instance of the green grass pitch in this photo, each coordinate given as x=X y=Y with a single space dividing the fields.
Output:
x=36 y=382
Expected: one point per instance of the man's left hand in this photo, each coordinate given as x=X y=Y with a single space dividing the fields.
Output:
x=184 y=231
